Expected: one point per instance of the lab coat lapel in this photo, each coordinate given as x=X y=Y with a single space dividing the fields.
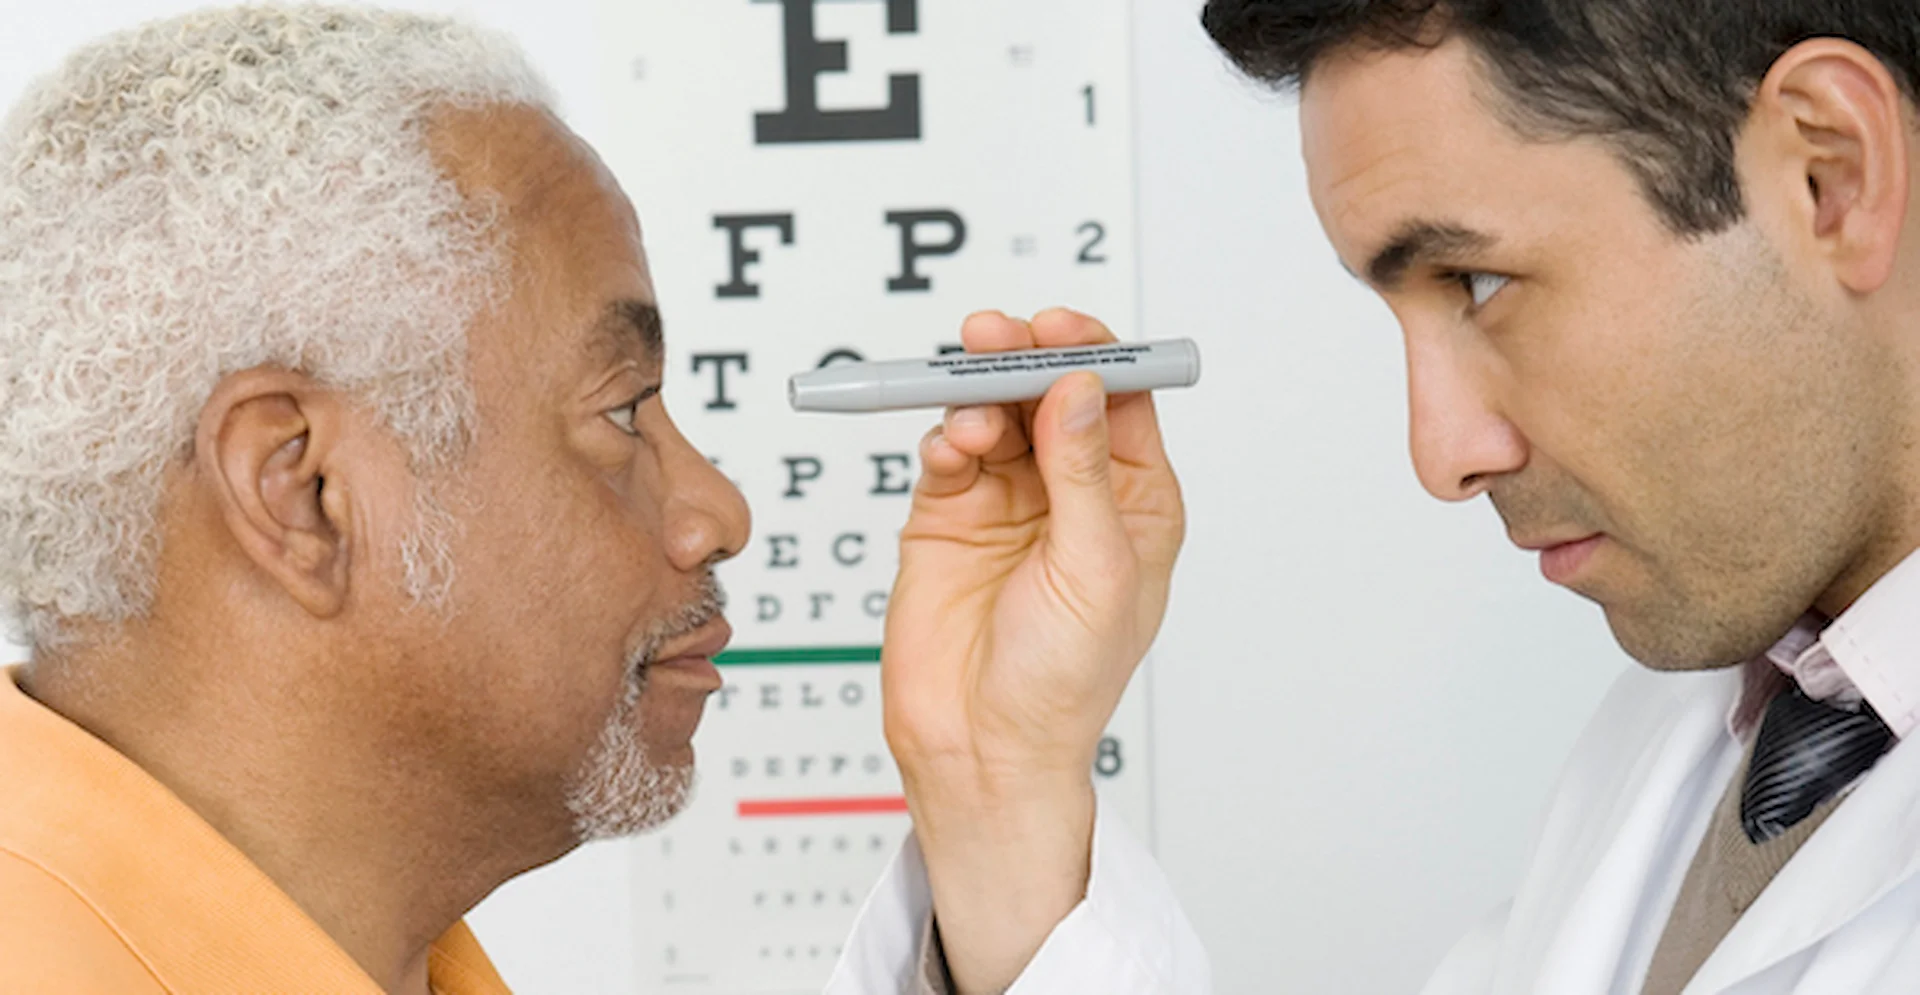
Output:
x=1632 y=809
x=1867 y=848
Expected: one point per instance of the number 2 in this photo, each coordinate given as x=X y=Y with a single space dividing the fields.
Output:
x=1095 y=233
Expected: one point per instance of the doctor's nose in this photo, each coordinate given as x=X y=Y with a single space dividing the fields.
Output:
x=1460 y=440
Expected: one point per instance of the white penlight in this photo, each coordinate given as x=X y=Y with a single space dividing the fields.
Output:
x=992 y=377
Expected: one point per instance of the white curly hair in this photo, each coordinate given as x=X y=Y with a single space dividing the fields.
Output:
x=226 y=190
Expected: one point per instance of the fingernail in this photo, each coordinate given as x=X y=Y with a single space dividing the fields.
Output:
x=1084 y=409
x=967 y=420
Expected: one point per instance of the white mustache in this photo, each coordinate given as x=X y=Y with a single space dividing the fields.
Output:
x=709 y=603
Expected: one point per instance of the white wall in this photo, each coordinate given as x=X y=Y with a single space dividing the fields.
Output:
x=1362 y=696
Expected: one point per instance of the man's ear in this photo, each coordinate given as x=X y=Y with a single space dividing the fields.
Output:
x=263 y=446
x=1833 y=126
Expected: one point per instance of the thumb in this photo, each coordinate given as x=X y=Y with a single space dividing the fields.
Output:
x=1074 y=454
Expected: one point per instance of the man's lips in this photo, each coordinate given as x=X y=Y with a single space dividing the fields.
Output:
x=694 y=659
x=1562 y=559
x=701 y=646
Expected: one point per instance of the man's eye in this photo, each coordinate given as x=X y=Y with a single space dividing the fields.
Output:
x=1482 y=288
x=626 y=417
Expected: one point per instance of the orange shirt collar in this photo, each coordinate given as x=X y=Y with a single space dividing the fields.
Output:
x=193 y=908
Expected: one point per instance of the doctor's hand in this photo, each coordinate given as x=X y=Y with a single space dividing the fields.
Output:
x=1033 y=577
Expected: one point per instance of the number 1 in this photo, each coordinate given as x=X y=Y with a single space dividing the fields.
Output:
x=1087 y=92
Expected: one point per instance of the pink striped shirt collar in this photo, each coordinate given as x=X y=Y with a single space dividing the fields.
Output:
x=1870 y=653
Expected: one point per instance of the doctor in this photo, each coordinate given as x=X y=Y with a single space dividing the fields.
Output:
x=1657 y=271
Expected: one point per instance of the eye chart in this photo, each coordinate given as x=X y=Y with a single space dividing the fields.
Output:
x=822 y=181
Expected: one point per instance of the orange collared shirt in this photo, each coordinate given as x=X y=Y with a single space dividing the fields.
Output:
x=111 y=884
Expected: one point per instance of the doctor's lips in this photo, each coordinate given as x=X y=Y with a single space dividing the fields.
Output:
x=1562 y=559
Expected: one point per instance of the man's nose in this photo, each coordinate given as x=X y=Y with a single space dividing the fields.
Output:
x=1460 y=439
x=707 y=517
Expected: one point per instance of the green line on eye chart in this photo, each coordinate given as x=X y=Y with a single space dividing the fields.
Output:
x=798 y=656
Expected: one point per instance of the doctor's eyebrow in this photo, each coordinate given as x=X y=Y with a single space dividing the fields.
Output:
x=1419 y=242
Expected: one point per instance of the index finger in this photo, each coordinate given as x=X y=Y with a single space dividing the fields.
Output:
x=992 y=331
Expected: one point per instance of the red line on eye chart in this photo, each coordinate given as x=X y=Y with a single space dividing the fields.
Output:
x=785 y=807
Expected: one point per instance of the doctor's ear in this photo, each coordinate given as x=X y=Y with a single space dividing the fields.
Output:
x=265 y=444
x=1833 y=133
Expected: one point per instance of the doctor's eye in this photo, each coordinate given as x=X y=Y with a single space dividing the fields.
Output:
x=1481 y=288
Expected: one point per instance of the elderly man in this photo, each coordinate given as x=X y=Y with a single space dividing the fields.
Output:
x=363 y=567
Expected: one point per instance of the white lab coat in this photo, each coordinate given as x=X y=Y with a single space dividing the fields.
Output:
x=1128 y=937
x=1842 y=918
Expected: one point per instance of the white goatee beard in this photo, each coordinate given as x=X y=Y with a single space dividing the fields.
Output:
x=620 y=791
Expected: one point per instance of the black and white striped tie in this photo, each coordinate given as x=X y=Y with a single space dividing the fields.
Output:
x=1806 y=753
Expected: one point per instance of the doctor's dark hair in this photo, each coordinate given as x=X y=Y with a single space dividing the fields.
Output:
x=1667 y=84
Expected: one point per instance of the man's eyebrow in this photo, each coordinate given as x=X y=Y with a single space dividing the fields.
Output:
x=1418 y=242
x=630 y=320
